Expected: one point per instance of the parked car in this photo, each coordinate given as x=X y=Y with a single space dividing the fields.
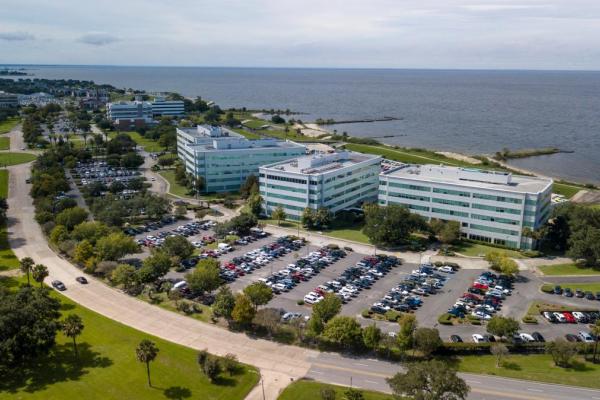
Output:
x=477 y=338
x=456 y=339
x=538 y=337
x=586 y=337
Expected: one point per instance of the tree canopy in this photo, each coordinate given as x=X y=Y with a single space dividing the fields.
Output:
x=390 y=225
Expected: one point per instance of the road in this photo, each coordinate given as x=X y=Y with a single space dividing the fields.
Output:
x=278 y=363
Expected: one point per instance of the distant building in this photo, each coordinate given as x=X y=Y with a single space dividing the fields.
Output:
x=225 y=158
x=172 y=108
x=8 y=100
x=39 y=99
x=336 y=181
x=127 y=115
x=490 y=206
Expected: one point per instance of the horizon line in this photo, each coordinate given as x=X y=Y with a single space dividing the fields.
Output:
x=302 y=67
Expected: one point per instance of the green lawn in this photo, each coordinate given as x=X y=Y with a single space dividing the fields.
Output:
x=174 y=187
x=535 y=367
x=568 y=269
x=149 y=145
x=8 y=260
x=311 y=390
x=7 y=159
x=9 y=124
x=353 y=233
x=246 y=134
x=108 y=369
x=410 y=156
x=566 y=190
x=471 y=249
x=4 y=143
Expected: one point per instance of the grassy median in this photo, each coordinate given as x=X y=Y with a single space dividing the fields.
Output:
x=568 y=269
x=8 y=125
x=311 y=390
x=7 y=159
x=8 y=260
x=108 y=369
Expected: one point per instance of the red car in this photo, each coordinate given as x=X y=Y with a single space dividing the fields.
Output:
x=208 y=239
x=569 y=317
x=480 y=286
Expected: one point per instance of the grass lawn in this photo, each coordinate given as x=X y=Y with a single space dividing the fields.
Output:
x=471 y=249
x=4 y=143
x=352 y=233
x=9 y=124
x=588 y=286
x=537 y=307
x=311 y=390
x=535 y=367
x=566 y=190
x=161 y=300
x=8 y=260
x=149 y=145
x=246 y=134
x=174 y=187
x=568 y=269
x=108 y=369
x=7 y=159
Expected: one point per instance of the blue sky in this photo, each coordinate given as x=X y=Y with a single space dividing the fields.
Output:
x=522 y=34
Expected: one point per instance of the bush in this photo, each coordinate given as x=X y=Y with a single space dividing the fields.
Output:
x=530 y=319
x=532 y=253
x=547 y=288
x=438 y=264
x=300 y=302
x=445 y=319
x=392 y=315
x=366 y=313
x=476 y=322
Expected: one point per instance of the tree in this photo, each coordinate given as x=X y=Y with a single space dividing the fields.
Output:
x=204 y=278
x=450 y=233
x=124 y=275
x=269 y=318
x=71 y=217
x=72 y=326
x=211 y=367
x=224 y=302
x=502 y=326
x=277 y=119
x=230 y=363
x=279 y=214
x=115 y=246
x=178 y=246
x=390 y=225
x=39 y=273
x=83 y=251
x=308 y=218
x=249 y=183
x=258 y=293
x=90 y=231
x=28 y=324
x=59 y=234
x=561 y=351
x=322 y=218
x=154 y=267
x=254 y=203
x=26 y=264
x=500 y=351
x=354 y=394
x=427 y=340
x=429 y=380
x=146 y=352
x=344 y=331
x=596 y=332
x=327 y=308
x=509 y=266
x=327 y=393
x=371 y=336
x=408 y=325
x=584 y=244
x=243 y=311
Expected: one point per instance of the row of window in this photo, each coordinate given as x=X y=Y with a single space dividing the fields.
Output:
x=501 y=199
x=495 y=219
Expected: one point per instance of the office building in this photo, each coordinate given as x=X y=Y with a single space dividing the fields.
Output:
x=224 y=159
x=336 y=181
x=490 y=206
x=170 y=108
x=128 y=115
x=8 y=100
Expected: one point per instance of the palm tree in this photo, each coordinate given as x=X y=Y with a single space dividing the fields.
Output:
x=85 y=136
x=146 y=352
x=26 y=265
x=72 y=327
x=39 y=273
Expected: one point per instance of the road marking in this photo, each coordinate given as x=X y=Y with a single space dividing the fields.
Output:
x=371 y=382
x=535 y=390
x=316 y=372
x=362 y=365
x=470 y=381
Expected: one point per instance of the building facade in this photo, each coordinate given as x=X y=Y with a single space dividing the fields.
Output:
x=171 y=108
x=224 y=159
x=492 y=207
x=336 y=181
x=8 y=100
x=129 y=114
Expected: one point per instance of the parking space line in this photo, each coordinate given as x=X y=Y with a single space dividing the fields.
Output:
x=535 y=390
x=373 y=382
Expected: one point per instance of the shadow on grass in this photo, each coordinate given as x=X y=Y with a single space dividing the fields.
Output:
x=225 y=381
x=60 y=365
x=177 y=393
x=513 y=366
x=579 y=366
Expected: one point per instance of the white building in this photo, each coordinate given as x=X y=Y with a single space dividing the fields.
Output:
x=335 y=181
x=225 y=158
x=172 y=108
x=129 y=114
x=8 y=100
x=492 y=207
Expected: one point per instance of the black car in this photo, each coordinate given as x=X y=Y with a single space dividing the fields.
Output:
x=590 y=296
x=538 y=337
x=558 y=289
x=597 y=295
x=81 y=279
x=489 y=338
x=58 y=285
x=456 y=339
x=572 y=338
x=579 y=293
x=568 y=292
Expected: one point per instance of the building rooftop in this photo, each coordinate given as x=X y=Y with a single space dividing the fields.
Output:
x=471 y=177
x=320 y=163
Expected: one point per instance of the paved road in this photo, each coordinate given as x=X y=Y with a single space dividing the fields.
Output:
x=278 y=363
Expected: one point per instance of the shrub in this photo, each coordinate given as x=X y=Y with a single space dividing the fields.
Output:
x=547 y=288
x=532 y=253
x=392 y=315
x=476 y=322
x=445 y=319
x=530 y=319
x=366 y=313
x=300 y=302
x=438 y=263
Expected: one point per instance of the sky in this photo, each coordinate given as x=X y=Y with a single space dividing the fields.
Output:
x=438 y=34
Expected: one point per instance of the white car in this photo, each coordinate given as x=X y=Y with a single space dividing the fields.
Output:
x=526 y=337
x=579 y=316
x=561 y=318
x=477 y=338
x=585 y=337
x=481 y=315
x=312 y=298
x=447 y=269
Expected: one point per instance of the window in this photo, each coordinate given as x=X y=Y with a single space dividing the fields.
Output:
x=449 y=212
x=495 y=219
x=451 y=192
x=497 y=198
x=450 y=202
x=495 y=230
x=410 y=187
x=496 y=209
x=409 y=196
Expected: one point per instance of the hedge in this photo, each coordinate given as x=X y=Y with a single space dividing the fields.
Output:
x=530 y=319
x=484 y=348
x=445 y=319
x=547 y=288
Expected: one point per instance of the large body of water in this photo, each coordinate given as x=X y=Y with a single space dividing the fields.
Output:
x=471 y=112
